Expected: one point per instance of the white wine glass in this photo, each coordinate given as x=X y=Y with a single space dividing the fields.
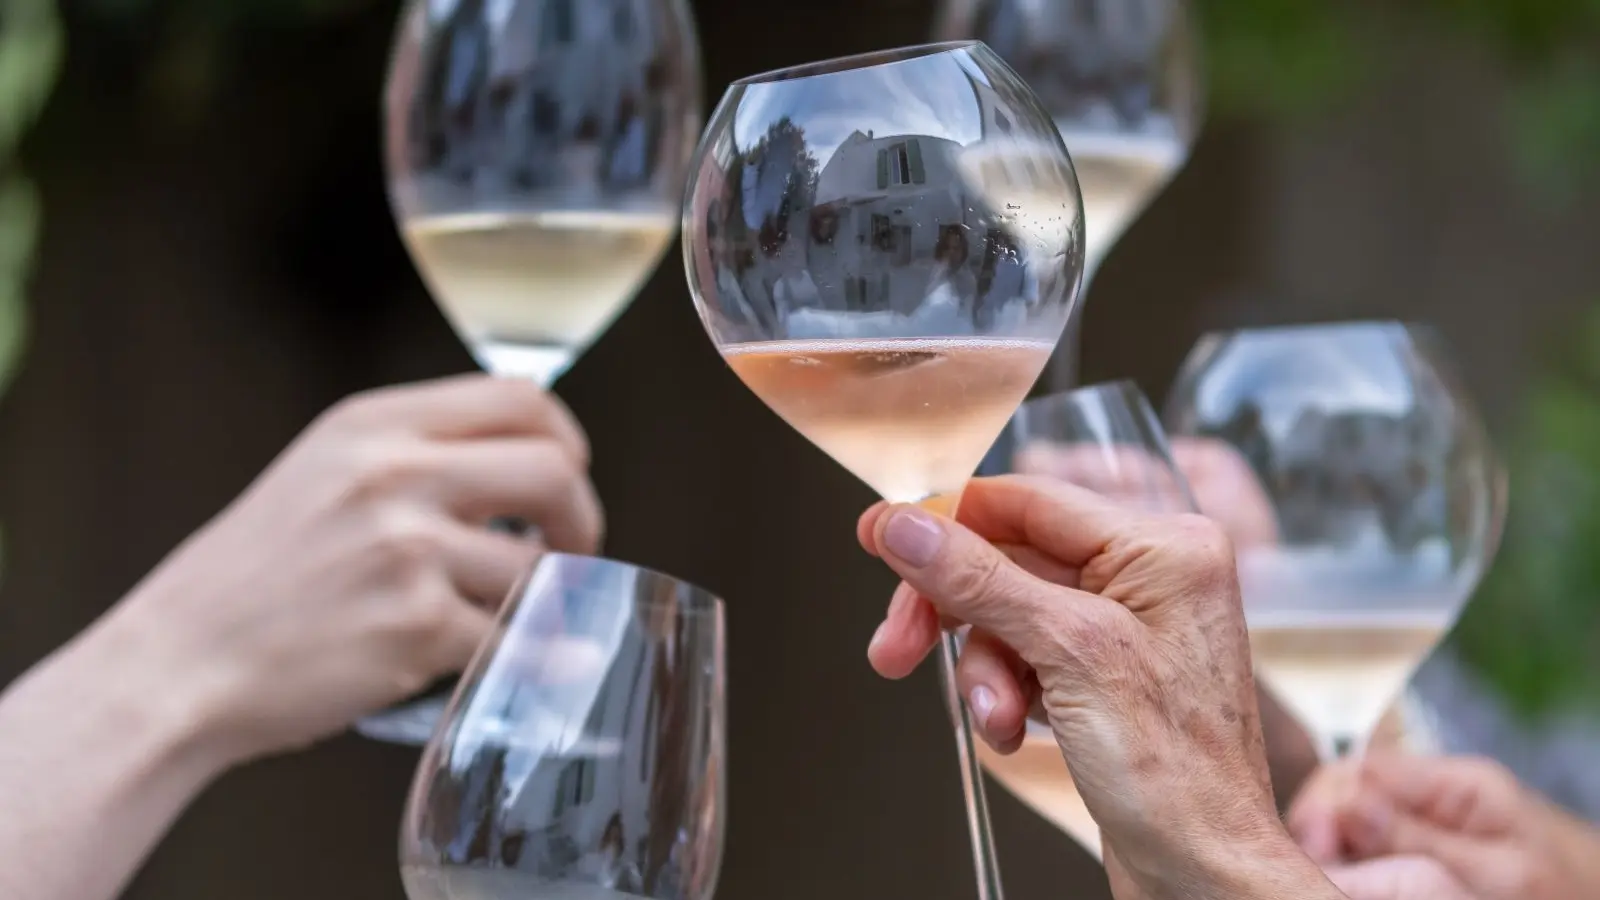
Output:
x=1105 y=438
x=1385 y=497
x=1122 y=81
x=885 y=248
x=583 y=755
x=536 y=151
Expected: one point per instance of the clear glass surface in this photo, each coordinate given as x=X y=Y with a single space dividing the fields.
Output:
x=536 y=152
x=1384 y=504
x=583 y=754
x=885 y=249
x=1121 y=79
x=1105 y=438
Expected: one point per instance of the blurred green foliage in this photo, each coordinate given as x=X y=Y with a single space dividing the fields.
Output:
x=1534 y=626
x=30 y=53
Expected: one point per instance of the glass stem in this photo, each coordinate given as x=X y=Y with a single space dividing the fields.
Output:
x=1334 y=747
x=983 y=854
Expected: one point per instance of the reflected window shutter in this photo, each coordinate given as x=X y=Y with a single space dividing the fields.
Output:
x=883 y=170
x=919 y=175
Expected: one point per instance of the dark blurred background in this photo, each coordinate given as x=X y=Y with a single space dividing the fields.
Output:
x=215 y=264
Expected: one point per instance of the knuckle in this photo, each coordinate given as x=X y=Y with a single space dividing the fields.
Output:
x=410 y=678
x=349 y=411
x=407 y=542
x=433 y=611
x=977 y=581
x=1204 y=542
x=1093 y=641
x=1203 y=555
x=525 y=398
x=378 y=470
x=1489 y=772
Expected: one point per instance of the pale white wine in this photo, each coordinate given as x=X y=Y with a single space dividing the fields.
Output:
x=470 y=883
x=1037 y=774
x=912 y=417
x=1340 y=673
x=1118 y=175
x=529 y=291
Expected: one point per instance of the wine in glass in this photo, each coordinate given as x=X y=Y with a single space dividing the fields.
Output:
x=536 y=151
x=582 y=757
x=1121 y=79
x=1385 y=503
x=1105 y=438
x=885 y=249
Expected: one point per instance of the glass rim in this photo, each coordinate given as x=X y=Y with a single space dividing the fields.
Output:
x=1124 y=386
x=1406 y=325
x=695 y=601
x=854 y=61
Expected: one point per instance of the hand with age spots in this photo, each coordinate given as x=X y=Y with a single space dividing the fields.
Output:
x=1124 y=629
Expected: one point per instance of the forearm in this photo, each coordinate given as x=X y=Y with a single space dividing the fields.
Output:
x=100 y=752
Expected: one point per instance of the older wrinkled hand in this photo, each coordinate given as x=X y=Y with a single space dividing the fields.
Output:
x=1125 y=627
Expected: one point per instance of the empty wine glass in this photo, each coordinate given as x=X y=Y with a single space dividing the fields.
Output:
x=885 y=249
x=1121 y=79
x=582 y=755
x=536 y=151
x=1105 y=438
x=1384 y=497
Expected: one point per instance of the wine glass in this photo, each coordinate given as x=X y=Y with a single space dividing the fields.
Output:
x=536 y=151
x=1105 y=438
x=1121 y=79
x=1385 y=499
x=582 y=757
x=885 y=248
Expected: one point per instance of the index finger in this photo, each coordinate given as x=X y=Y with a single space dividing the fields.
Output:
x=469 y=406
x=1069 y=523
x=1459 y=793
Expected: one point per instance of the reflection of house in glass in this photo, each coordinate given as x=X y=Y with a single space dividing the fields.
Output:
x=540 y=774
x=889 y=235
x=566 y=93
x=901 y=221
x=884 y=205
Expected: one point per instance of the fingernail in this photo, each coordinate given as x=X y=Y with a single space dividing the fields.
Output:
x=914 y=536
x=982 y=703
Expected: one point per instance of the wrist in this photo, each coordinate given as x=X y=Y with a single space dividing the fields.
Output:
x=1264 y=866
x=148 y=696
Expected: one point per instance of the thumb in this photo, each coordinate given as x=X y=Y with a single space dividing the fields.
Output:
x=971 y=581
